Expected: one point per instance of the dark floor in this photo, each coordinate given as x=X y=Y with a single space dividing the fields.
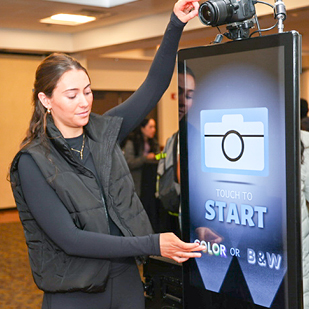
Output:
x=17 y=289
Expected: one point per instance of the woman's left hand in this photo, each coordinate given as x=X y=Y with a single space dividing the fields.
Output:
x=151 y=156
x=186 y=10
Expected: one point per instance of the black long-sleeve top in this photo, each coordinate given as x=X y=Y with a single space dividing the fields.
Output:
x=46 y=207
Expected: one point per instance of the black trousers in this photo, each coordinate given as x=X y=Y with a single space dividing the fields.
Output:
x=122 y=292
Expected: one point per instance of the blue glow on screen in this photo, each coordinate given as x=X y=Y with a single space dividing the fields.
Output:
x=237 y=197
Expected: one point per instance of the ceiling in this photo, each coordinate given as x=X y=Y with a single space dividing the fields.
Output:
x=25 y=15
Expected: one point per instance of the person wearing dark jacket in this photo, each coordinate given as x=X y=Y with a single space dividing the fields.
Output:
x=140 y=148
x=83 y=221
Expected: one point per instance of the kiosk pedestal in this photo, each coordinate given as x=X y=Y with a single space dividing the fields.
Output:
x=163 y=283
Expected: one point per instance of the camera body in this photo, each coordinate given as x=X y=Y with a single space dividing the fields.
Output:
x=219 y=12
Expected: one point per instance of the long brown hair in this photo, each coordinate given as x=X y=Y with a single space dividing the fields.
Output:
x=47 y=76
x=138 y=139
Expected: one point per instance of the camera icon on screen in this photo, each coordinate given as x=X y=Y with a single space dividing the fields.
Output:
x=235 y=141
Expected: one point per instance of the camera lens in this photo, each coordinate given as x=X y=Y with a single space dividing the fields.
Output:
x=215 y=12
x=208 y=13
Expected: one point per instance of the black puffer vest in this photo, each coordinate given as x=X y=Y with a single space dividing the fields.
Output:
x=52 y=269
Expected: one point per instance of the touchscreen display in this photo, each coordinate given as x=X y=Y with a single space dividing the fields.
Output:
x=236 y=142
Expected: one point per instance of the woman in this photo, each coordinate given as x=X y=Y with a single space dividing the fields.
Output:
x=140 y=148
x=74 y=191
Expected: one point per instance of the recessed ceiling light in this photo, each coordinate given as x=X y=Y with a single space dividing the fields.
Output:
x=67 y=19
x=100 y=3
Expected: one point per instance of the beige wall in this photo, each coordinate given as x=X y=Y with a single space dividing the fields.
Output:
x=304 y=85
x=16 y=80
x=168 y=112
x=304 y=78
x=108 y=74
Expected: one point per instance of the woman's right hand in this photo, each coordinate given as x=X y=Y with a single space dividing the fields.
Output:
x=185 y=10
x=174 y=248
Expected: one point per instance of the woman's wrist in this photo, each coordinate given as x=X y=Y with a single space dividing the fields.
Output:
x=176 y=21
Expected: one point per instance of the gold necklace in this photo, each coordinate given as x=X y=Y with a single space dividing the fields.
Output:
x=82 y=149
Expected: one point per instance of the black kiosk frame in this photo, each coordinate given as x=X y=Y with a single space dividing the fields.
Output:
x=240 y=174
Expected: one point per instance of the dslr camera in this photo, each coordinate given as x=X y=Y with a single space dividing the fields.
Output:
x=219 y=12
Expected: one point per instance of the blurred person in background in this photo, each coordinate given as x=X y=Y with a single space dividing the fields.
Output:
x=303 y=115
x=141 y=147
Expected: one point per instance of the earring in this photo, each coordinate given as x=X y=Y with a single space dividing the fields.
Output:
x=48 y=111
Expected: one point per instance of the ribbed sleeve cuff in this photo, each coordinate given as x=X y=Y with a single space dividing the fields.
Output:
x=176 y=21
x=156 y=244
